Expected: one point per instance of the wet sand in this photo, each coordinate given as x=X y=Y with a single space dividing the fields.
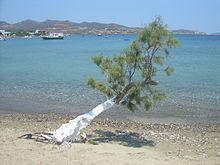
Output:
x=109 y=142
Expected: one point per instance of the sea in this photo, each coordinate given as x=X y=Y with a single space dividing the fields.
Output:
x=50 y=76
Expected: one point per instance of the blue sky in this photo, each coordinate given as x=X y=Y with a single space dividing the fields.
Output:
x=202 y=15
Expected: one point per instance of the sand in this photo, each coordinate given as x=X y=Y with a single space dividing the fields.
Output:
x=109 y=142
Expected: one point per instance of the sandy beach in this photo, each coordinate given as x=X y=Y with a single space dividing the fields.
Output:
x=109 y=142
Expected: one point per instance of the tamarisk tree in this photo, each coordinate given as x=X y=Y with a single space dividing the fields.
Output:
x=130 y=77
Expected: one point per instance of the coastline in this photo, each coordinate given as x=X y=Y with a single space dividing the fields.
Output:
x=114 y=142
x=163 y=114
x=190 y=34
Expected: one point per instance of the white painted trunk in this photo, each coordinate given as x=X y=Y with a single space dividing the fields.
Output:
x=69 y=131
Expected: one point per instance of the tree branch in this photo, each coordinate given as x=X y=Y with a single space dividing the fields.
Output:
x=123 y=92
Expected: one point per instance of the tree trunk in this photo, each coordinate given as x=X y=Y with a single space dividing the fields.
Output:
x=121 y=95
x=69 y=131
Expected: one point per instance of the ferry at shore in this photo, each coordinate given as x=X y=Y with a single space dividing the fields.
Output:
x=53 y=36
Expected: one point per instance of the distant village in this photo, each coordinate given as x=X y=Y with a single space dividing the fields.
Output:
x=31 y=28
x=21 y=33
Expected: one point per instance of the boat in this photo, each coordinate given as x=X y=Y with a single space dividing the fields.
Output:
x=2 y=39
x=27 y=37
x=53 y=36
x=99 y=34
x=127 y=39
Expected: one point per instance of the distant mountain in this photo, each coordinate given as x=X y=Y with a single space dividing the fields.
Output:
x=3 y=23
x=184 y=31
x=67 y=27
x=100 y=25
x=216 y=33
x=25 y=25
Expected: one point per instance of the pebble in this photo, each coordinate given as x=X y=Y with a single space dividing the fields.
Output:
x=172 y=137
x=218 y=154
x=166 y=159
x=177 y=133
x=188 y=157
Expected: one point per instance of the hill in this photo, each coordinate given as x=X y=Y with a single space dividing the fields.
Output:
x=216 y=33
x=184 y=31
x=3 y=23
x=67 y=27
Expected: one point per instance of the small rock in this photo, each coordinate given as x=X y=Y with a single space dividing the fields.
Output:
x=218 y=154
x=172 y=137
x=204 y=155
x=188 y=157
x=166 y=159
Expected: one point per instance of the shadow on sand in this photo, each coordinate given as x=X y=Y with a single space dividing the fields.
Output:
x=130 y=139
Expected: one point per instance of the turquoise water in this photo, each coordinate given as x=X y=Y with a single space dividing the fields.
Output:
x=39 y=75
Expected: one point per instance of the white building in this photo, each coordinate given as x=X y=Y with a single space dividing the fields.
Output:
x=4 y=33
x=37 y=31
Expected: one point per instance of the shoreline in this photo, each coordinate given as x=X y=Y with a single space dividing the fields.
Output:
x=155 y=118
x=164 y=113
x=125 y=141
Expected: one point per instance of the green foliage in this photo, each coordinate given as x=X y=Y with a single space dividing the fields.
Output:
x=91 y=81
x=98 y=59
x=101 y=86
x=20 y=33
x=147 y=102
x=129 y=75
x=159 y=96
x=159 y=60
x=169 y=70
